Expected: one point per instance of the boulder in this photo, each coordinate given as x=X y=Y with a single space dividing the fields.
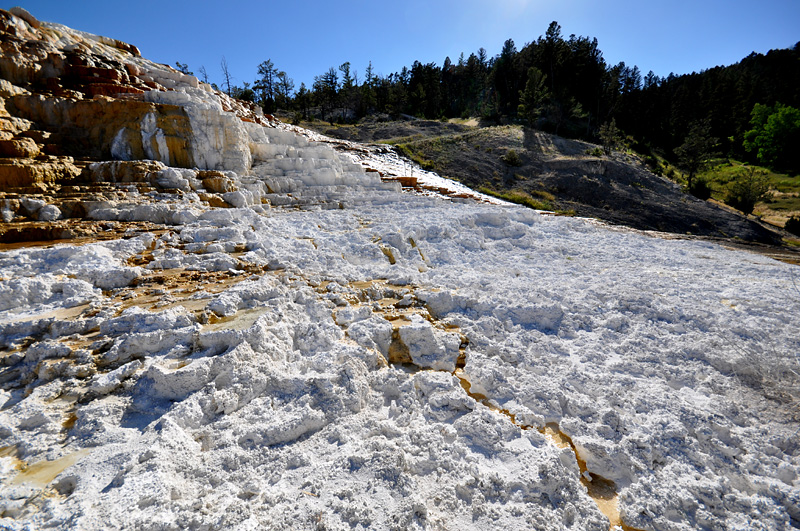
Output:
x=216 y=182
x=122 y=171
x=18 y=148
x=17 y=173
x=24 y=15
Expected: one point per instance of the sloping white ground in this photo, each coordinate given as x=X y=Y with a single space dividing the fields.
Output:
x=655 y=356
x=385 y=160
x=255 y=393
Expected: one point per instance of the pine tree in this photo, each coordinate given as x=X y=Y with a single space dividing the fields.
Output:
x=610 y=136
x=265 y=84
x=534 y=97
x=326 y=90
x=283 y=89
x=696 y=150
x=750 y=187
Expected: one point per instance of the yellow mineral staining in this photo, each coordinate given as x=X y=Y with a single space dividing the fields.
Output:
x=63 y=314
x=398 y=351
x=8 y=451
x=69 y=422
x=600 y=489
x=42 y=473
x=389 y=254
x=241 y=320
x=162 y=289
x=70 y=231
x=311 y=241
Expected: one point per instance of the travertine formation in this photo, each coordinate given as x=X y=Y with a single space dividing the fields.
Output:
x=246 y=330
x=78 y=111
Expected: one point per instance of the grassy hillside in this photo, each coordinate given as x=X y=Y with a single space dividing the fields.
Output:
x=784 y=196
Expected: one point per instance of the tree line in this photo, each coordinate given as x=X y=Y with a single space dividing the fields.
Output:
x=564 y=85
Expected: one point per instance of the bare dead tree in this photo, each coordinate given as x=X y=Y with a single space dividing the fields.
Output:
x=226 y=75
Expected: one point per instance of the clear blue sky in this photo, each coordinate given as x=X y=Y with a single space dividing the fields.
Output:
x=306 y=37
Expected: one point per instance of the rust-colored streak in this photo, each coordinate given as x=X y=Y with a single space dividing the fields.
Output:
x=398 y=351
x=603 y=491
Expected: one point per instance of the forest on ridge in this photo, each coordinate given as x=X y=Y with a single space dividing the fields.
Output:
x=564 y=85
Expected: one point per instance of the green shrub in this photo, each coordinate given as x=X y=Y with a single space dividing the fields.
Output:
x=596 y=152
x=747 y=189
x=793 y=225
x=701 y=188
x=511 y=158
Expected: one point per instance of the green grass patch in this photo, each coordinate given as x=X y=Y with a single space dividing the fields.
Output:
x=544 y=196
x=722 y=172
x=409 y=152
x=402 y=140
x=519 y=197
x=784 y=203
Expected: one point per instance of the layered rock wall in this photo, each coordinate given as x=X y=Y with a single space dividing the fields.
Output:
x=106 y=128
x=78 y=112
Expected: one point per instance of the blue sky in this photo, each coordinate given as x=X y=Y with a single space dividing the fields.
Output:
x=306 y=37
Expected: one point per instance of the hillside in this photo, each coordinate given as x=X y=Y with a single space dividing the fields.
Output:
x=563 y=85
x=212 y=320
x=562 y=174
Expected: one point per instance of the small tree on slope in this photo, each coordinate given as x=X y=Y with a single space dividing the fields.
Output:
x=696 y=149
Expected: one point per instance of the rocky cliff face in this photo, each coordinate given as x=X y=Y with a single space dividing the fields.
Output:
x=77 y=110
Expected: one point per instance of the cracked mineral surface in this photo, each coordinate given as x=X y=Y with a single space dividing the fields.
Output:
x=211 y=320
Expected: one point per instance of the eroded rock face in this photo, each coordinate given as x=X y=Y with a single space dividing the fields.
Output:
x=75 y=126
x=90 y=130
x=106 y=128
x=25 y=172
x=104 y=101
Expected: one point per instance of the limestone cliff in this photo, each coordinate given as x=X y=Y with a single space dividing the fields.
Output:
x=79 y=111
x=102 y=100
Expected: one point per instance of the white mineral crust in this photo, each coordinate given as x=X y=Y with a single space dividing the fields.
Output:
x=672 y=365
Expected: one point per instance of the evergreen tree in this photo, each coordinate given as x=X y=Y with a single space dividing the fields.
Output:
x=347 y=91
x=302 y=100
x=284 y=86
x=695 y=151
x=183 y=67
x=326 y=91
x=610 y=136
x=266 y=86
x=504 y=79
x=368 y=96
x=534 y=97
x=750 y=187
